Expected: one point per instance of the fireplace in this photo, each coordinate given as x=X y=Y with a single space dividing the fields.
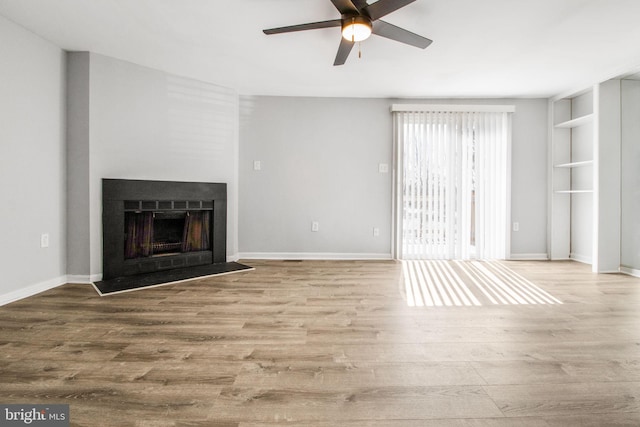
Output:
x=150 y=226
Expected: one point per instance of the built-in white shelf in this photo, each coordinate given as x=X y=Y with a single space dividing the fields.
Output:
x=575 y=164
x=584 y=151
x=574 y=123
x=573 y=191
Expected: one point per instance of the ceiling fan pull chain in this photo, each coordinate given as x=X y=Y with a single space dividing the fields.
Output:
x=353 y=30
x=359 y=50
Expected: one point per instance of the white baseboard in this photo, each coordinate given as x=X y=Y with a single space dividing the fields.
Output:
x=313 y=256
x=75 y=278
x=630 y=271
x=529 y=257
x=32 y=290
x=581 y=258
x=233 y=257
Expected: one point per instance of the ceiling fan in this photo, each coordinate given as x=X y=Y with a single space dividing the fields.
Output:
x=359 y=20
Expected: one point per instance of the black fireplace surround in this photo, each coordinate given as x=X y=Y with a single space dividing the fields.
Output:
x=150 y=226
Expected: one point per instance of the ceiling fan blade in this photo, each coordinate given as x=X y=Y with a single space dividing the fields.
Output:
x=303 y=27
x=343 y=51
x=384 y=7
x=360 y=4
x=345 y=6
x=384 y=29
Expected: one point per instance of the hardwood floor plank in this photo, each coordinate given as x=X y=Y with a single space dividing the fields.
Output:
x=628 y=419
x=442 y=422
x=332 y=375
x=301 y=404
x=566 y=399
x=558 y=372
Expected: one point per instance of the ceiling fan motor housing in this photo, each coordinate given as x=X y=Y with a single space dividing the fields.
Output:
x=356 y=19
x=356 y=27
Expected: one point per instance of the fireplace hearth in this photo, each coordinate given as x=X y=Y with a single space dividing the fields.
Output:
x=151 y=226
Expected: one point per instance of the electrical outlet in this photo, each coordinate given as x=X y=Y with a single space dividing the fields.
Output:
x=383 y=168
x=376 y=232
x=315 y=226
x=516 y=226
x=257 y=165
x=44 y=240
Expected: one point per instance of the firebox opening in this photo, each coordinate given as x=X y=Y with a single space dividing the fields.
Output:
x=168 y=230
x=164 y=233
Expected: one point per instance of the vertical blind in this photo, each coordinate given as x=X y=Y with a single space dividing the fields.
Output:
x=453 y=184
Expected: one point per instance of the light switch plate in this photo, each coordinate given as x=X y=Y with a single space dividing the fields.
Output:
x=44 y=240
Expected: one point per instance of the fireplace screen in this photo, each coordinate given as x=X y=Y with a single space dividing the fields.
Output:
x=162 y=233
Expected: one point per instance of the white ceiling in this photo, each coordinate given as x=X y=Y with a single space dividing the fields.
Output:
x=482 y=48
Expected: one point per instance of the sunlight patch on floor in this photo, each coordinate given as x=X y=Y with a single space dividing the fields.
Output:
x=431 y=283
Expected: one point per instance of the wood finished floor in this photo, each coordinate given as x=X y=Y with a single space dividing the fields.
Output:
x=325 y=343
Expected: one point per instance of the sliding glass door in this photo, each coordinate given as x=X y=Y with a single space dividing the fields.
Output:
x=452 y=184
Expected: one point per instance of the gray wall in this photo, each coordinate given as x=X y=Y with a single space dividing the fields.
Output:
x=32 y=162
x=529 y=177
x=78 y=209
x=146 y=124
x=630 y=176
x=320 y=161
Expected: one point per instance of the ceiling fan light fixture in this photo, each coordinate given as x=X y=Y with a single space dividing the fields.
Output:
x=357 y=19
x=356 y=29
